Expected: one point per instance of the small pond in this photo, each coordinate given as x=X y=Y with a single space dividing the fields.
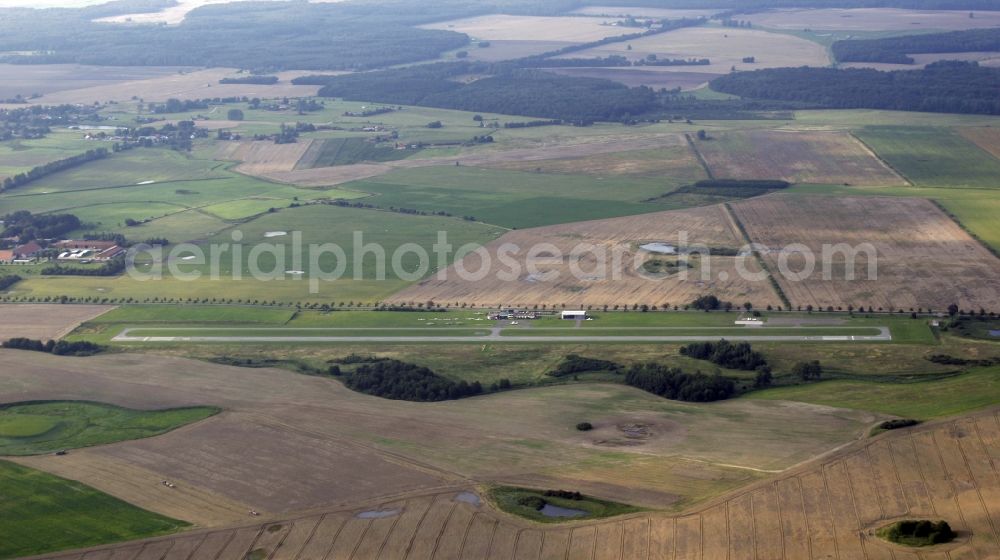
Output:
x=377 y=513
x=469 y=498
x=555 y=511
x=995 y=333
x=662 y=248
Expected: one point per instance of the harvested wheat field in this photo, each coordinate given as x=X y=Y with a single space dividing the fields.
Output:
x=642 y=11
x=920 y=60
x=187 y=85
x=919 y=252
x=874 y=19
x=28 y=79
x=482 y=157
x=826 y=509
x=262 y=157
x=286 y=443
x=725 y=47
x=579 y=279
x=45 y=322
x=531 y=28
x=796 y=157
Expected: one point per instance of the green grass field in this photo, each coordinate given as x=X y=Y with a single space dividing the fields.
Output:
x=264 y=333
x=721 y=332
x=323 y=224
x=42 y=513
x=921 y=400
x=319 y=224
x=17 y=156
x=43 y=427
x=934 y=157
x=345 y=151
x=513 y=198
x=183 y=196
x=166 y=314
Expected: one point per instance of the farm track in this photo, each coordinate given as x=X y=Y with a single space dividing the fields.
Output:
x=827 y=508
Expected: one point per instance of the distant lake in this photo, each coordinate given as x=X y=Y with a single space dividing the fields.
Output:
x=50 y=3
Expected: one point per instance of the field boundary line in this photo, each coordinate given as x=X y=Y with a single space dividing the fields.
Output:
x=312 y=533
x=895 y=472
x=932 y=434
x=805 y=513
x=444 y=527
x=697 y=154
x=388 y=534
x=978 y=485
x=336 y=537
x=778 y=291
x=416 y=528
x=951 y=216
x=979 y=436
x=880 y=159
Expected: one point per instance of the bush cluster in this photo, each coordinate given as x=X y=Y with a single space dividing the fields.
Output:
x=919 y=532
x=672 y=383
x=574 y=363
x=726 y=354
x=60 y=348
x=393 y=379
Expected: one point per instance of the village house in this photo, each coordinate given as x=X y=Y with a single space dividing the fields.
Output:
x=27 y=251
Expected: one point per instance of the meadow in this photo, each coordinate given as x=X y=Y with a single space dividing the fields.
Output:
x=17 y=156
x=922 y=400
x=933 y=157
x=725 y=47
x=515 y=199
x=176 y=196
x=43 y=427
x=44 y=513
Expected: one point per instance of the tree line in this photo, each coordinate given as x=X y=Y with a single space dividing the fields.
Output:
x=396 y=380
x=113 y=267
x=941 y=87
x=36 y=121
x=511 y=91
x=9 y=280
x=59 y=348
x=27 y=226
x=574 y=363
x=51 y=167
x=280 y=35
x=726 y=354
x=256 y=79
x=896 y=50
x=672 y=383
